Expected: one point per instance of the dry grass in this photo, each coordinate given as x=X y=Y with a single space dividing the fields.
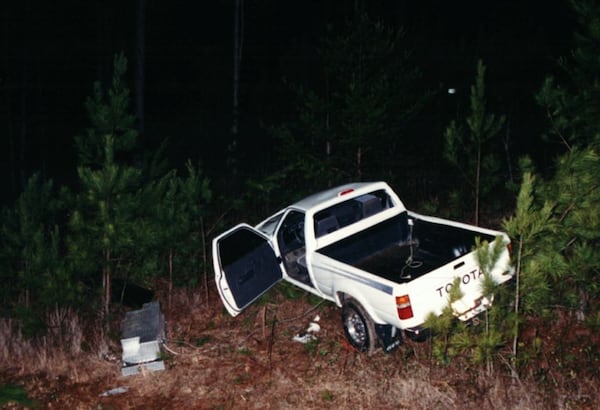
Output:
x=59 y=352
x=251 y=362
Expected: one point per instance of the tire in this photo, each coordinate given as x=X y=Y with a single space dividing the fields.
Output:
x=359 y=328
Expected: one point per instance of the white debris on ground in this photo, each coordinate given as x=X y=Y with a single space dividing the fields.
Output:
x=117 y=390
x=309 y=334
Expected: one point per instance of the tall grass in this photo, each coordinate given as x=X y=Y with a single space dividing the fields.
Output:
x=56 y=351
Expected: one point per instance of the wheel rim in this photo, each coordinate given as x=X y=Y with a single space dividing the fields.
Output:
x=356 y=329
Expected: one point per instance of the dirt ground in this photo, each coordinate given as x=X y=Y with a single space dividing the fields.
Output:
x=215 y=361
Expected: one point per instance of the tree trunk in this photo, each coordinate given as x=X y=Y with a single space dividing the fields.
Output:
x=477 y=183
x=12 y=147
x=140 y=69
x=515 y=344
x=204 y=259
x=170 y=278
x=507 y=151
x=106 y=284
x=24 y=120
x=101 y=41
x=238 y=42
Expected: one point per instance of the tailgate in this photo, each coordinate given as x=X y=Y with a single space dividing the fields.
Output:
x=430 y=292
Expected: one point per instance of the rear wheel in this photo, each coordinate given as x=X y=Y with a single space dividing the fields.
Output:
x=358 y=326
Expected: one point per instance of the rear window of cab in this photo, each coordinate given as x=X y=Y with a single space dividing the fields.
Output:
x=351 y=211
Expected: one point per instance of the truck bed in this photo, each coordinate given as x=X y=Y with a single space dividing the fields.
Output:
x=401 y=252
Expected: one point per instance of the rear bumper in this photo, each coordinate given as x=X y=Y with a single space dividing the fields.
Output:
x=417 y=333
x=466 y=313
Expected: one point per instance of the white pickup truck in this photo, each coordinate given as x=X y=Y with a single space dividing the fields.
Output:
x=357 y=246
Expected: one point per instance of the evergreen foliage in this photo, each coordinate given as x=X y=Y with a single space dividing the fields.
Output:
x=487 y=256
x=178 y=216
x=556 y=231
x=24 y=237
x=122 y=221
x=109 y=114
x=573 y=106
x=104 y=225
x=351 y=127
x=556 y=224
x=125 y=222
x=34 y=275
x=471 y=146
x=34 y=272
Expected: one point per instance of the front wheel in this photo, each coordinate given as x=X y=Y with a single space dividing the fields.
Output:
x=358 y=326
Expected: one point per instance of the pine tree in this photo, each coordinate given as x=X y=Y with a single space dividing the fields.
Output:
x=567 y=253
x=350 y=127
x=109 y=114
x=470 y=147
x=125 y=220
x=34 y=275
x=556 y=223
x=24 y=241
x=491 y=338
x=103 y=224
x=529 y=226
x=177 y=215
x=573 y=106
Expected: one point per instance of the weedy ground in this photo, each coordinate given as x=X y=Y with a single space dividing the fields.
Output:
x=215 y=361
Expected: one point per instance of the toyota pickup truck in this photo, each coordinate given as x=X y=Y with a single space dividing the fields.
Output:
x=358 y=246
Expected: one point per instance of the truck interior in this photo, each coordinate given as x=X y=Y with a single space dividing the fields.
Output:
x=292 y=247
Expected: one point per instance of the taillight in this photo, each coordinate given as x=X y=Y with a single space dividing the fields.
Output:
x=404 y=307
x=509 y=247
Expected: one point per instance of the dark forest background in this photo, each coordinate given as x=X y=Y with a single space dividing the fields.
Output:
x=53 y=53
x=134 y=132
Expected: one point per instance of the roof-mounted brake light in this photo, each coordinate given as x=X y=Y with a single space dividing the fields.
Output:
x=345 y=191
